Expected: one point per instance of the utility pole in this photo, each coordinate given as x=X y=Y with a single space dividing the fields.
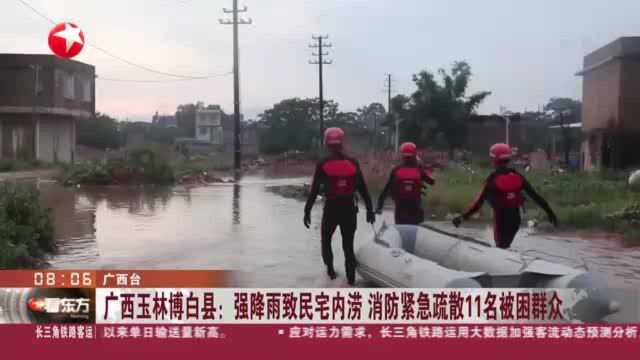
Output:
x=389 y=110
x=375 y=132
x=506 y=115
x=235 y=21
x=320 y=46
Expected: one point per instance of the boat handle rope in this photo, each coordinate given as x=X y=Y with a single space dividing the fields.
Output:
x=583 y=265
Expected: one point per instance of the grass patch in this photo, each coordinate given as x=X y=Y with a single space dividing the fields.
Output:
x=9 y=165
x=198 y=164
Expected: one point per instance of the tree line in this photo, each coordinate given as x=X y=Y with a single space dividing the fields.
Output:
x=105 y=132
x=436 y=115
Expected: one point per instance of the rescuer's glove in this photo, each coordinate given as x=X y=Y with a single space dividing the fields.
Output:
x=457 y=221
x=307 y=219
x=552 y=219
x=379 y=211
x=371 y=217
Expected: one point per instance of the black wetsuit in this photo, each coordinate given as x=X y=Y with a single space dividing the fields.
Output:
x=503 y=189
x=340 y=177
x=408 y=210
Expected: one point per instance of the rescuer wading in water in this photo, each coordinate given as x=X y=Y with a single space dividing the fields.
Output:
x=503 y=190
x=405 y=184
x=341 y=177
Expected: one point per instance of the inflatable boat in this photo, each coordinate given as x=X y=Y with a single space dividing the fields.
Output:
x=427 y=257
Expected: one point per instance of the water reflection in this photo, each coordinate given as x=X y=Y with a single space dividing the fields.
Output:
x=136 y=200
x=74 y=219
x=236 y=204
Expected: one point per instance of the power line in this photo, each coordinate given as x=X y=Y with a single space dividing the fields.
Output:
x=37 y=12
x=162 y=80
x=108 y=53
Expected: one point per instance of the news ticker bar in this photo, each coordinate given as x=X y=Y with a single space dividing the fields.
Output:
x=309 y=341
x=344 y=332
x=113 y=278
x=289 y=306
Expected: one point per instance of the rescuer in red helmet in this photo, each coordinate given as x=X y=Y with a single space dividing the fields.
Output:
x=341 y=177
x=503 y=189
x=405 y=184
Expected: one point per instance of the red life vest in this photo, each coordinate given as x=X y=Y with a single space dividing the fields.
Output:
x=508 y=190
x=408 y=184
x=341 y=175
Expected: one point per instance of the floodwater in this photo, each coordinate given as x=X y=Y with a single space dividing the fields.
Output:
x=249 y=227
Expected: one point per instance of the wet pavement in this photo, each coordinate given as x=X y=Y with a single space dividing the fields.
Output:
x=247 y=227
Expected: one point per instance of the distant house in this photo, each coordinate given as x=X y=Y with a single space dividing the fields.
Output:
x=611 y=105
x=209 y=125
x=166 y=121
x=41 y=99
x=134 y=133
x=215 y=127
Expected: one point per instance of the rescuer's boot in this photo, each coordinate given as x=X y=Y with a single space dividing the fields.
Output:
x=331 y=272
x=351 y=275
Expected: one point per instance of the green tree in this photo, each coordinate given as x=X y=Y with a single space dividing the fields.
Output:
x=294 y=124
x=288 y=126
x=372 y=117
x=563 y=112
x=439 y=110
x=100 y=132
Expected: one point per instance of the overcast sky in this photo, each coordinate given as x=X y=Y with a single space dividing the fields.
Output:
x=524 y=51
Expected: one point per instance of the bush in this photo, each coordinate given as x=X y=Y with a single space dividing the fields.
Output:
x=150 y=166
x=632 y=236
x=136 y=166
x=86 y=172
x=26 y=228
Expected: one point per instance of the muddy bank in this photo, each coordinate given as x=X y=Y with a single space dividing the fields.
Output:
x=300 y=192
x=43 y=174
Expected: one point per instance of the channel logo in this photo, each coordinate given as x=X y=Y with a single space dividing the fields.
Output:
x=70 y=306
x=47 y=306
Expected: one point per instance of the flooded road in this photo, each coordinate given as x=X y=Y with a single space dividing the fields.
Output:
x=248 y=227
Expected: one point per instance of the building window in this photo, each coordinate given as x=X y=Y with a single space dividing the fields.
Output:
x=86 y=90
x=40 y=79
x=65 y=84
x=69 y=88
x=217 y=136
x=59 y=78
x=203 y=131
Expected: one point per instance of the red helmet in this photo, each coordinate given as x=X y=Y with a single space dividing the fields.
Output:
x=408 y=149
x=499 y=152
x=333 y=136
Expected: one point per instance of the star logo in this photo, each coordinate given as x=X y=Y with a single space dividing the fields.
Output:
x=66 y=40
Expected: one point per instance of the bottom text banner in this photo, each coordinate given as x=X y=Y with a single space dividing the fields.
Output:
x=336 y=306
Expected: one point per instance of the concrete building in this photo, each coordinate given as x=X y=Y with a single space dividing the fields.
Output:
x=217 y=128
x=41 y=98
x=611 y=105
x=166 y=121
x=209 y=125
